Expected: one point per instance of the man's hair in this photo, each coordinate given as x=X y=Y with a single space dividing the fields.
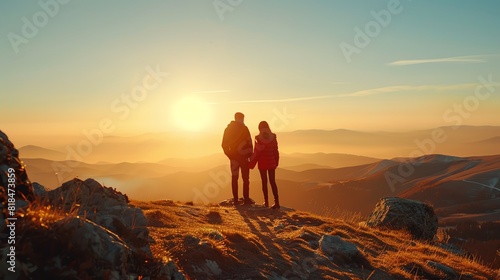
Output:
x=238 y=116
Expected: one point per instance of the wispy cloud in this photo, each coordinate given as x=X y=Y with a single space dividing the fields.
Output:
x=360 y=93
x=455 y=59
x=405 y=88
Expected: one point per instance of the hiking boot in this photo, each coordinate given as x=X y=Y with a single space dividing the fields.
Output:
x=276 y=204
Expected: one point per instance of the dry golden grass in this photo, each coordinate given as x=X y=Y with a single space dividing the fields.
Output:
x=213 y=242
x=249 y=242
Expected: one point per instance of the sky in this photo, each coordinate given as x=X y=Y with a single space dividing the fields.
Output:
x=131 y=67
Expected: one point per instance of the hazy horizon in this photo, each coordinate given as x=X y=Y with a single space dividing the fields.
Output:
x=95 y=147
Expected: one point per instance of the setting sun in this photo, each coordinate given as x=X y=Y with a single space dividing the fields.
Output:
x=191 y=113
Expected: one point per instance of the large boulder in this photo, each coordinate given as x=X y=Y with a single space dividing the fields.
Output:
x=397 y=213
x=21 y=190
x=106 y=207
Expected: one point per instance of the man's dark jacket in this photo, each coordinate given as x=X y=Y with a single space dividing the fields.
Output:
x=237 y=142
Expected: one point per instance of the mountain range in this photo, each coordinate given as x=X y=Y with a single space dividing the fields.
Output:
x=156 y=147
x=458 y=187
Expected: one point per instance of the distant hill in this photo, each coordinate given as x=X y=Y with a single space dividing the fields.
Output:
x=305 y=166
x=32 y=151
x=52 y=173
x=490 y=141
x=459 y=140
x=156 y=147
x=332 y=160
x=452 y=184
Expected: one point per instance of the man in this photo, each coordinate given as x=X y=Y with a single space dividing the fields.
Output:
x=237 y=145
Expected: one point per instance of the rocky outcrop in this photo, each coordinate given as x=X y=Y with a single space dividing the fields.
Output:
x=416 y=217
x=12 y=168
x=72 y=247
x=106 y=207
x=9 y=158
x=54 y=245
x=83 y=230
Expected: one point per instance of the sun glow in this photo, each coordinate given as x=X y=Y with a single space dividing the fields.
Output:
x=191 y=113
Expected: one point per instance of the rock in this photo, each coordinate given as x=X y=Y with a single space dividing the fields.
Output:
x=9 y=158
x=39 y=189
x=214 y=267
x=416 y=217
x=93 y=240
x=214 y=217
x=314 y=244
x=72 y=248
x=11 y=167
x=170 y=272
x=332 y=245
x=452 y=249
x=450 y=273
x=279 y=227
x=216 y=235
x=340 y=251
x=209 y=267
x=308 y=235
x=106 y=207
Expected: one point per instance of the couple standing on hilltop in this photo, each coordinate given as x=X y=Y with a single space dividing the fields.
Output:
x=237 y=145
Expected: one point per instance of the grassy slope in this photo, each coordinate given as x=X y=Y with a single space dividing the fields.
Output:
x=217 y=242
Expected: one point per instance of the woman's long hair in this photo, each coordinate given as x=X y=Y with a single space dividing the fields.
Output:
x=265 y=130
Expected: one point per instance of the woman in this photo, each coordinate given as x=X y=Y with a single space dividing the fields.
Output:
x=267 y=156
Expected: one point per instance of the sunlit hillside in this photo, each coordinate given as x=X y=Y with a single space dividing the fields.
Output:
x=214 y=242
